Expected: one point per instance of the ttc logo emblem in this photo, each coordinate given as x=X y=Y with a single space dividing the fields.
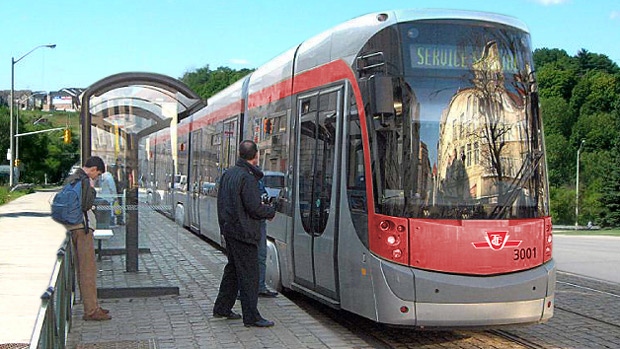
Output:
x=497 y=240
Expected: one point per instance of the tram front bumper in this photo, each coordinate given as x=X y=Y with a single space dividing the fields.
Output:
x=447 y=300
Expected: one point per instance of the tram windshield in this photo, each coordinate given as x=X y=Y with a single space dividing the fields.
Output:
x=465 y=139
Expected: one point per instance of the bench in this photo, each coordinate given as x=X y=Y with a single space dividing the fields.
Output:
x=99 y=235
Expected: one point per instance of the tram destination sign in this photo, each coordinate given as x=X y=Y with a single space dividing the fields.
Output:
x=424 y=56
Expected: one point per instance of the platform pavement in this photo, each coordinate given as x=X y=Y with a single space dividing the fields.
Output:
x=176 y=258
x=29 y=241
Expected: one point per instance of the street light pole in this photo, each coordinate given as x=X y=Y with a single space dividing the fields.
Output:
x=11 y=158
x=583 y=141
x=13 y=62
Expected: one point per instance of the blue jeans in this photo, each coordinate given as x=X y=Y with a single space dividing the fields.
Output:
x=262 y=257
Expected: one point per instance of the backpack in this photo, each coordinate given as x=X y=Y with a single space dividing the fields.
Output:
x=67 y=204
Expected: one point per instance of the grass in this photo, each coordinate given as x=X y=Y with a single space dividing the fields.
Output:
x=6 y=195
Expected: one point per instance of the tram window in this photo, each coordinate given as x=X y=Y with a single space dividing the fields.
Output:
x=216 y=139
x=355 y=176
x=305 y=107
x=278 y=125
x=229 y=143
x=318 y=115
x=212 y=149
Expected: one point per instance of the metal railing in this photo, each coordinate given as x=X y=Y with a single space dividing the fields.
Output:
x=54 y=318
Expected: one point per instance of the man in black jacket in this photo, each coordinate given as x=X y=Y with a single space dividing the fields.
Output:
x=240 y=211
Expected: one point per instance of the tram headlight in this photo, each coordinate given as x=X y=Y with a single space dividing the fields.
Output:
x=384 y=225
x=389 y=238
x=392 y=240
x=548 y=239
x=397 y=253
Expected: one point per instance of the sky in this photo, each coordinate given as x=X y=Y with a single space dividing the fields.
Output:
x=95 y=39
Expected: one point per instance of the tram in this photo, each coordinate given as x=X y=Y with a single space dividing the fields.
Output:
x=414 y=186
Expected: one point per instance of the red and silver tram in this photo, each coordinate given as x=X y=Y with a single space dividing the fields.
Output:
x=414 y=187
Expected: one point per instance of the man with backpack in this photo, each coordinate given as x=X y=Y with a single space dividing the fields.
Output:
x=72 y=207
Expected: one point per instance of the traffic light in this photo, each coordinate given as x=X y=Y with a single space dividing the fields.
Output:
x=66 y=136
x=17 y=162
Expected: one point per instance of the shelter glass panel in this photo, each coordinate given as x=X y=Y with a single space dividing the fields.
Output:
x=135 y=130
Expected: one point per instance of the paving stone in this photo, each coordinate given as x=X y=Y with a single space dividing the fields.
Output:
x=179 y=258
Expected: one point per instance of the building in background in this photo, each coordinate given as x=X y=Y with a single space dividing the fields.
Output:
x=66 y=99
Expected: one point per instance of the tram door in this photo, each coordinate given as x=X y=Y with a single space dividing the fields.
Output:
x=315 y=226
x=195 y=179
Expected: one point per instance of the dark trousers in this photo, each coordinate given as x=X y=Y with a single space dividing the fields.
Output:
x=240 y=277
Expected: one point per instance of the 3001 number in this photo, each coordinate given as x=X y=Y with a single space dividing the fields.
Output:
x=524 y=253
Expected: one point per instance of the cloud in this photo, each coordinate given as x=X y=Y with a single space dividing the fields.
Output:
x=551 y=2
x=614 y=15
x=239 y=61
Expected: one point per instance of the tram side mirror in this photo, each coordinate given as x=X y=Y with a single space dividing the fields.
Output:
x=381 y=93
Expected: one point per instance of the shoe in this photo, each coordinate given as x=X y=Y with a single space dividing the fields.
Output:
x=97 y=315
x=260 y=323
x=105 y=310
x=230 y=316
x=267 y=294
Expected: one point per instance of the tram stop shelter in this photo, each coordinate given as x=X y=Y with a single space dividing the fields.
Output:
x=119 y=115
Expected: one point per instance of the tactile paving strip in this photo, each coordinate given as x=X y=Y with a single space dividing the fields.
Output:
x=14 y=346
x=140 y=344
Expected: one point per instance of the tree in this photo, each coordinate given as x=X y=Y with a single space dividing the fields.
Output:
x=560 y=162
x=600 y=133
x=556 y=81
x=590 y=83
x=598 y=130
x=591 y=61
x=610 y=197
x=42 y=155
x=556 y=118
x=595 y=92
x=610 y=193
x=32 y=148
x=4 y=126
x=562 y=205
x=593 y=163
x=543 y=56
x=604 y=89
x=207 y=82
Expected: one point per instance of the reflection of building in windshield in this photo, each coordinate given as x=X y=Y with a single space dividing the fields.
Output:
x=482 y=143
x=425 y=175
